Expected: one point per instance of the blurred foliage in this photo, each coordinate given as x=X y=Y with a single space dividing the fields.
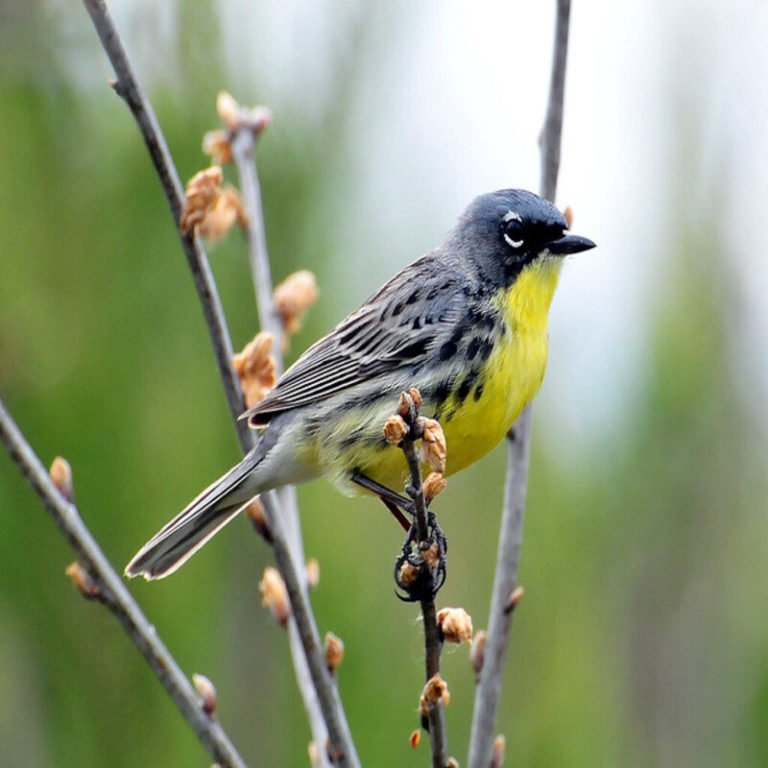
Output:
x=640 y=641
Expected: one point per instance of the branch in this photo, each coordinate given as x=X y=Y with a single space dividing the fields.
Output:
x=322 y=702
x=504 y=592
x=243 y=145
x=424 y=530
x=552 y=132
x=128 y=88
x=340 y=746
x=112 y=592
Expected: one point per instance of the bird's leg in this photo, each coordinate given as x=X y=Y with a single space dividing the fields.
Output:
x=420 y=568
x=397 y=513
x=394 y=502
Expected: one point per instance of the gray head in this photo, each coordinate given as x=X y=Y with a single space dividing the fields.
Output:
x=510 y=228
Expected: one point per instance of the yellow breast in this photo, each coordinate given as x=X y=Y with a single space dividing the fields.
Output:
x=514 y=369
x=473 y=426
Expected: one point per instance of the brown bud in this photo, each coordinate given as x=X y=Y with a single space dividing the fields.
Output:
x=434 y=485
x=254 y=511
x=256 y=368
x=223 y=215
x=395 y=429
x=407 y=575
x=334 y=652
x=436 y=690
x=61 y=474
x=202 y=192
x=416 y=397
x=312 y=573
x=275 y=596
x=477 y=653
x=86 y=586
x=433 y=447
x=423 y=710
x=415 y=738
x=217 y=146
x=568 y=216
x=432 y=555
x=455 y=624
x=207 y=691
x=293 y=297
x=228 y=110
x=497 y=755
x=404 y=405
x=515 y=596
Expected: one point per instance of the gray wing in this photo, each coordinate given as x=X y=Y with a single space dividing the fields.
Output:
x=416 y=312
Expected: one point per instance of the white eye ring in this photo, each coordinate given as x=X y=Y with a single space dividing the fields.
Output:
x=513 y=243
x=512 y=216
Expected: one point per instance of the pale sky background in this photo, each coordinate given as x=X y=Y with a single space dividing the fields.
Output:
x=448 y=100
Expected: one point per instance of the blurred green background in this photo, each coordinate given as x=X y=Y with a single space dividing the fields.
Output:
x=642 y=639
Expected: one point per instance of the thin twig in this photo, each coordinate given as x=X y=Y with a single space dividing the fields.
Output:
x=340 y=746
x=552 y=132
x=322 y=702
x=519 y=440
x=116 y=597
x=128 y=88
x=433 y=644
x=243 y=145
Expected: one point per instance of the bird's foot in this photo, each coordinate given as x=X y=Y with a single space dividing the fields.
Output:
x=421 y=566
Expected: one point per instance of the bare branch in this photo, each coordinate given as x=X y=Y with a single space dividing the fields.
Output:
x=128 y=88
x=552 y=132
x=321 y=698
x=519 y=440
x=108 y=588
x=341 y=747
x=243 y=145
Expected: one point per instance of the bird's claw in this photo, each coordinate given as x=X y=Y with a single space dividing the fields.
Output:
x=420 y=568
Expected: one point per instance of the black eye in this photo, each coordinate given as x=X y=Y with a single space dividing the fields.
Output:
x=513 y=233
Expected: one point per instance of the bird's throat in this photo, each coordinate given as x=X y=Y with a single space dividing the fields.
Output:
x=525 y=304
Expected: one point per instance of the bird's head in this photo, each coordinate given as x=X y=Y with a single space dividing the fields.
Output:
x=512 y=228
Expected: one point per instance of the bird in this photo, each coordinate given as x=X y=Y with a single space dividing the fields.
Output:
x=465 y=324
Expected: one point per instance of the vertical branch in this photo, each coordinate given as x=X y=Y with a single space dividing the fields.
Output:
x=243 y=145
x=110 y=590
x=552 y=131
x=433 y=642
x=505 y=579
x=321 y=698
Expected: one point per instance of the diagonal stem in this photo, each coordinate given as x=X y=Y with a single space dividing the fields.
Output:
x=117 y=598
x=438 y=734
x=128 y=88
x=322 y=702
x=131 y=92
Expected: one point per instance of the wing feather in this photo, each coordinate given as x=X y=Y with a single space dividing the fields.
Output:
x=396 y=327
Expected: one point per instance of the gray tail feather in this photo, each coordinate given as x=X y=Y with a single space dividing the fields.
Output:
x=200 y=520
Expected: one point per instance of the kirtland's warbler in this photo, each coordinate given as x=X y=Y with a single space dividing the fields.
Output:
x=466 y=325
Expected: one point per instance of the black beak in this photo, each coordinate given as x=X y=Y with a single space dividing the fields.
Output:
x=569 y=244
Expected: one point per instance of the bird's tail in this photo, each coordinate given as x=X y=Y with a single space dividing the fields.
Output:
x=202 y=518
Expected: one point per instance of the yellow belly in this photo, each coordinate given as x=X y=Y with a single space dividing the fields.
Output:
x=512 y=377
